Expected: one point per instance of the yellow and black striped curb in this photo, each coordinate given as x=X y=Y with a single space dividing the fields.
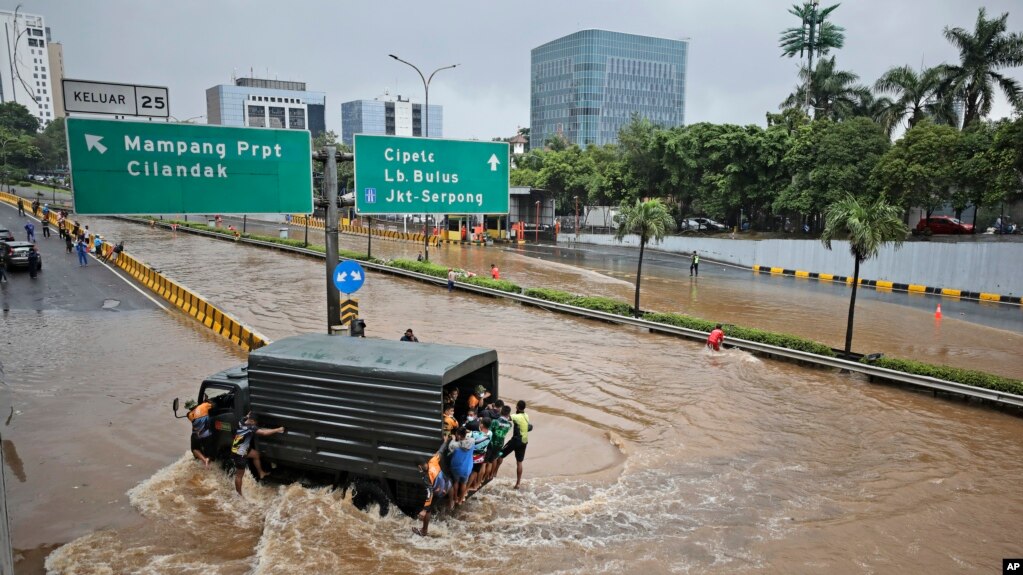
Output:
x=893 y=286
x=186 y=300
x=349 y=311
x=318 y=224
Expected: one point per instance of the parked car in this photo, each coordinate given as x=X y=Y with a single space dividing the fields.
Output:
x=15 y=254
x=942 y=225
x=702 y=225
x=6 y=235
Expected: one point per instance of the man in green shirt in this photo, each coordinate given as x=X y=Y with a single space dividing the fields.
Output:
x=520 y=439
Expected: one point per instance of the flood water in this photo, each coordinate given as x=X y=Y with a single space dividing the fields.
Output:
x=649 y=455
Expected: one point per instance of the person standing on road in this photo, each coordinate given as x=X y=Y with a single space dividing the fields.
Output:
x=45 y=223
x=82 y=250
x=97 y=243
x=242 y=451
x=520 y=439
x=33 y=262
x=30 y=232
x=695 y=265
x=716 y=338
x=35 y=208
x=69 y=244
x=451 y=279
x=21 y=207
x=3 y=271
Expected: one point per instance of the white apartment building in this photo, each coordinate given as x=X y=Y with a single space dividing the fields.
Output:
x=25 y=74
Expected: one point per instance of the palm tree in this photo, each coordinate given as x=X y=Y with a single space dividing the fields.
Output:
x=834 y=93
x=988 y=49
x=649 y=220
x=916 y=97
x=815 y=33
x=868 y=228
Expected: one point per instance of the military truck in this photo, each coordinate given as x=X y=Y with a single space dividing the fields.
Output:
x=359 y=412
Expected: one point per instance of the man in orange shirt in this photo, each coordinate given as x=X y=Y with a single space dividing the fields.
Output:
x=494 y=272
x=716 y=338
x=476 y=399
x=437 y=484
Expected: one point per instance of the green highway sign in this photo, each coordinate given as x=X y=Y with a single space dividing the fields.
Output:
x=404 y=175
x=121 y=167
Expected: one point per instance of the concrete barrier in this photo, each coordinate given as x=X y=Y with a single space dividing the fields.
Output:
x=193 y=304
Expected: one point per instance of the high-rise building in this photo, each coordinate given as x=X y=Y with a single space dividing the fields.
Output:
x=55 y=55
x=587 y=85
x=388 y=116
x=25 y=75
x=262 y=103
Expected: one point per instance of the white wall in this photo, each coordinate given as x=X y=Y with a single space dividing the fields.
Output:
x=988 y=266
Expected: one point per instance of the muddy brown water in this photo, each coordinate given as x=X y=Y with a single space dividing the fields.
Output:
x=649 y=455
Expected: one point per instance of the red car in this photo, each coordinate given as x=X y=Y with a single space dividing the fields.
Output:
x=942 y=225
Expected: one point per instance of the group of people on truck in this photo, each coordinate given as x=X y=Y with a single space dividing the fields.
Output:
x=473 y=446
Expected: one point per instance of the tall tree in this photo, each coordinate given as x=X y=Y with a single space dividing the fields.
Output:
x=867 y=227
x=915 y=97
x=828 y=161
x=16 y=118
x=920 y=169
x=982 y=53
x=833 y=94
x=649 y=220
x=814 y=36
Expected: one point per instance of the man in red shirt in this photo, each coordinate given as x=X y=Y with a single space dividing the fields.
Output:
x=716 y=338
x=494 y=272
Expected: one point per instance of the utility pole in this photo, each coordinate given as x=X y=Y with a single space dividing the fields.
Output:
x=811 y=44
x=330 y=222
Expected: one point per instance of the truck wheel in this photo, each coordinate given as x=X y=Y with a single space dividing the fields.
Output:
x=367 y=493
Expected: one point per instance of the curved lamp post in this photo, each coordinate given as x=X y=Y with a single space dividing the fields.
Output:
x=426 y=133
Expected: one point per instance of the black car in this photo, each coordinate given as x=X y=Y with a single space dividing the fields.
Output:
x=6 y=235
x=15 y=255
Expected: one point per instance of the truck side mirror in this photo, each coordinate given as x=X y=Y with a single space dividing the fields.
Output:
x=176 y=402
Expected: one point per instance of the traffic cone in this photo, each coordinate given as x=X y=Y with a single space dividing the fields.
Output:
x=937 y=312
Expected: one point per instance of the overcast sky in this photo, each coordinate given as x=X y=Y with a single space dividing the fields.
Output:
x=340 y=47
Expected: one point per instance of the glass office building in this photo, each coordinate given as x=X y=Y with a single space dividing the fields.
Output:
x=389 y=116
x=587 y=85
x=260 y=103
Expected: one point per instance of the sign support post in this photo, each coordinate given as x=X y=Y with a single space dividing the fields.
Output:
x=330 y=234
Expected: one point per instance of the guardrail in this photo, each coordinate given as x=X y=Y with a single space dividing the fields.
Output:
x=318 y=224
x=871 y=371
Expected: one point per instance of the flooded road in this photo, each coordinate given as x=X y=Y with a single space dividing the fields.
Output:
x=971 y=335
x=649 y=455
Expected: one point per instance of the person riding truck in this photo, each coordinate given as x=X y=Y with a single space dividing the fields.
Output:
x=437 y=484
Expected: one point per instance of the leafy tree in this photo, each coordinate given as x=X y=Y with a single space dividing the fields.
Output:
x=982 y=53
x=828 y=161
x=52 y=144
x=916 y=97
x=867 y=227
x=975 y=169
x=919 y=170
x=16 y=118
x=833 y=94
x=649 y=220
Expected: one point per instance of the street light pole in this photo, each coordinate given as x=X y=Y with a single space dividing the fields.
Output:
x=426 y=133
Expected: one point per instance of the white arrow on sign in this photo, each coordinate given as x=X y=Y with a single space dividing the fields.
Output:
x=356 y=276
x=93 y=142
x=493 y=161
x=342 y=277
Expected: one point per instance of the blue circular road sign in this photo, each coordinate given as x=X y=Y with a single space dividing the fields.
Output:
x=349 y=276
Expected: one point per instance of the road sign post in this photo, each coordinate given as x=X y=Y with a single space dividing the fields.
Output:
x=121 y=167
x=404 y=175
